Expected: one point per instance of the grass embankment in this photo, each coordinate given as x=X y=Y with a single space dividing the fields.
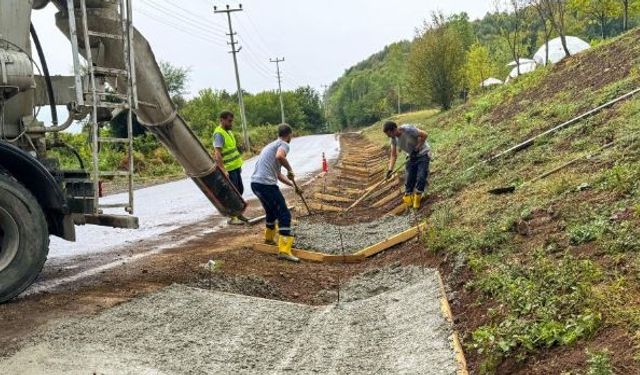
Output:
x=546 y=279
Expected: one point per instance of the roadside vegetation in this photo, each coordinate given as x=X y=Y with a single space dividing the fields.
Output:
x=451 y=55
x=545 y=279
x=153 y=161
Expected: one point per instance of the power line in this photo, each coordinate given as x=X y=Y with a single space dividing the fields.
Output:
x=201 y=27
x=264 y=46
x=259 y=64
x=194 y=31
x=197 y=16
x=179 y=27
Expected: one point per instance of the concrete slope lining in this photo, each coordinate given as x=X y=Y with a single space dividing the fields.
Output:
x=396 y=328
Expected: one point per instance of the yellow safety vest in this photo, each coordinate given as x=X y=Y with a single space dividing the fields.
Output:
x=231 y=157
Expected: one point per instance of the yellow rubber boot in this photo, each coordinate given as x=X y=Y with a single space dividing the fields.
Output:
x=417 y=200
x=270 y=236
x=407 y=200
x=285 y=243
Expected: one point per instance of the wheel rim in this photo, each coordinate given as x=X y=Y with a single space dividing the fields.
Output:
x=9 y=239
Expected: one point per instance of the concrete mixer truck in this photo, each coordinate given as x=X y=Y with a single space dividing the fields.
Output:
x=115 y=77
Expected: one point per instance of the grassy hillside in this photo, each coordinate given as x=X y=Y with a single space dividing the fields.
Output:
x=546 y=279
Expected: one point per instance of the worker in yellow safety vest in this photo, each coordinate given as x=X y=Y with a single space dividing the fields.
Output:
x=227 y=154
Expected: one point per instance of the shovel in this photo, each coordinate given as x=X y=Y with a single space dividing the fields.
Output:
x=298 y=191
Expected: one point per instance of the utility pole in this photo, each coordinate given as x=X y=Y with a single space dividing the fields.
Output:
x=325 y=106
x=278 y=61
x=234 y=51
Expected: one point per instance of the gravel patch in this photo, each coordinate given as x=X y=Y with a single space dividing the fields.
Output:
x=392 y=324
x=325 y=237
x=249 y=285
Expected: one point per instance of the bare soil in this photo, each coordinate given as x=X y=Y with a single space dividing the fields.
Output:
x=241 y=270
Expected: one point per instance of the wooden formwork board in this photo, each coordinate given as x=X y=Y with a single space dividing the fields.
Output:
x=363 y=155
x=377 y=174
x=332 y=198
x=446 y=311
x=352 y=185
x=391 y=241
x=315 y=206
x=315 y=256
x=344 y=190
x=398 y=210
x=357 y=179
x=311 y=256
x=384 y=189
x=359 y=158
x=359 y=161
x=361 y=171
x=362 y=176
x=392 y=196
x=370 y=173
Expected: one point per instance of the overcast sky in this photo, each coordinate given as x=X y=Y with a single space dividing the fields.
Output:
x=318 y=39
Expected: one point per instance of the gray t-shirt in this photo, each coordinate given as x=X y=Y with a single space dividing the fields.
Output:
x=267 y=166
x=218 y=140
x=408 y=140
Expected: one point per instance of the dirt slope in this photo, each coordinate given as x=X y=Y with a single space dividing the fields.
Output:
x=545 y=279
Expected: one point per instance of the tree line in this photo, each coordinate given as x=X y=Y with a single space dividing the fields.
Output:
x=451 y=56
x=303 y=106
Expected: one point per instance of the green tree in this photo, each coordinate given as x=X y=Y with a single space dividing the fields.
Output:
x=176 y=78
x=545 y=21
x=309 y=102
x=629 y=7
x=479 y=66
x=557 y=14
x=436 y=63
x=511 y=19
x=597 y=11
x=201 y=112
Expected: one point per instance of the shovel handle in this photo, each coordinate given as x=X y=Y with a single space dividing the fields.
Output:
x=295 y=186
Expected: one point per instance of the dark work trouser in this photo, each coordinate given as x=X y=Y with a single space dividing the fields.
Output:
x=417 y=173
x=236 y=179
x=274 y=206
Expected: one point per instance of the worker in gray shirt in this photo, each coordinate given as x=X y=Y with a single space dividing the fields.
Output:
x=413 y=141
x=264 y=184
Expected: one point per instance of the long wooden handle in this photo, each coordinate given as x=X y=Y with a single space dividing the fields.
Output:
x=373 y=188
x=295 y=186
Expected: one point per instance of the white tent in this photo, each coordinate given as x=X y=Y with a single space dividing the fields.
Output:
x=491 y=82
x=525 y=68
x=522 y=61
x=556 y=52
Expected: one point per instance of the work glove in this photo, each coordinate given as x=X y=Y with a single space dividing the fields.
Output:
x=290 y=175
x=389 y=173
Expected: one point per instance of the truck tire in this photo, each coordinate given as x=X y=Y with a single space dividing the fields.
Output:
x=24 y=238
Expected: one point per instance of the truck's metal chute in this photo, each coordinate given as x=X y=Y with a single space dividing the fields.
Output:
x=156 y=111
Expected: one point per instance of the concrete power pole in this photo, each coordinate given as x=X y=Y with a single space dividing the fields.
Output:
x=325 y=106
x=278 y=61
x=234 y=51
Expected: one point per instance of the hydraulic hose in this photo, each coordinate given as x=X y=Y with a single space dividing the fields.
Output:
x=47 y=76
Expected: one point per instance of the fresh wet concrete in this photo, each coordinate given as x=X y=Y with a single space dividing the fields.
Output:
x=388 y=321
